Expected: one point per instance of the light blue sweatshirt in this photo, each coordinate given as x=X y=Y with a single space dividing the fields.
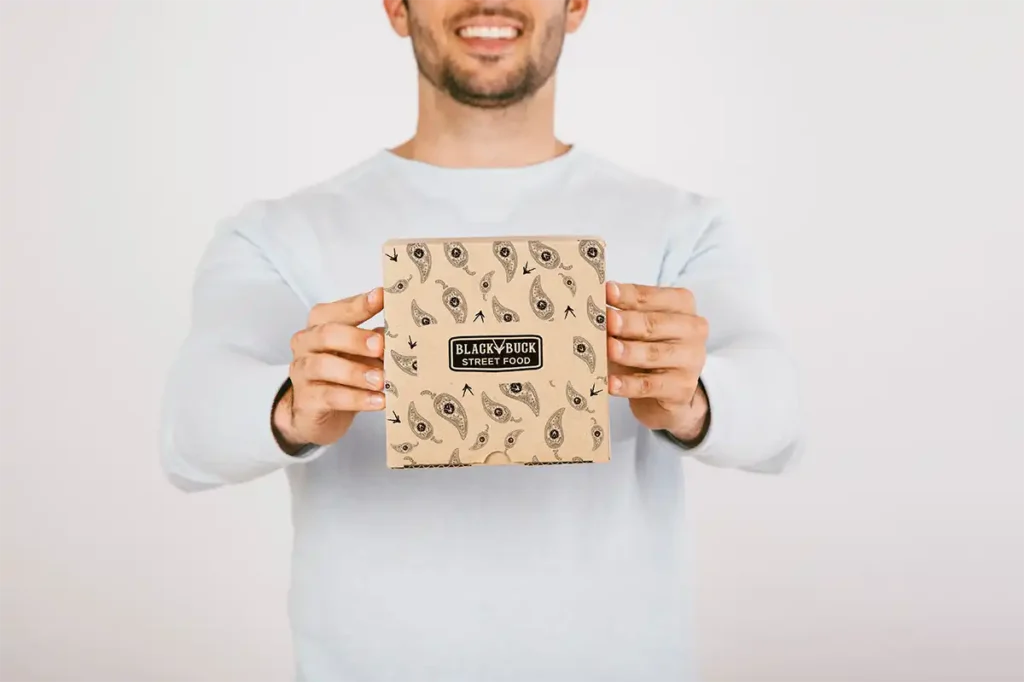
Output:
x=483 y=573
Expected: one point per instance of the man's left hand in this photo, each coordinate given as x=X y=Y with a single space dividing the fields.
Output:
x=656 y=352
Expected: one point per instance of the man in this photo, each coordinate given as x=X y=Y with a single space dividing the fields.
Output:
x=485 y=573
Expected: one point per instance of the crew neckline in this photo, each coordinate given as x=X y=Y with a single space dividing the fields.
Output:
x=441 y=178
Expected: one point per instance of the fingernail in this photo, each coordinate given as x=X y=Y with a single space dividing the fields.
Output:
x=374 y=377
x=618 y=348
x=613 y=290
x=371 y=296
x=375 y=400
x=614 y=384
x=373 y=342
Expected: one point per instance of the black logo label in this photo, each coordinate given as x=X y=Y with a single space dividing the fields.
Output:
x=495 y=353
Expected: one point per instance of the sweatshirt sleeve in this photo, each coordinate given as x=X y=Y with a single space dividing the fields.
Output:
x=216 y=412
x=749 y=377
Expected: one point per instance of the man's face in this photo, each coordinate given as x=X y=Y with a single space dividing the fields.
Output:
x=489 y=53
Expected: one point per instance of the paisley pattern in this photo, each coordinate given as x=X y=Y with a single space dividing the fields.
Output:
x=554 y=437
x=540 y=304
x=420 y=427
x=458 y=256
x=501 y=313
x=546 y=256
x=453 y=461
x=576 y=399
x=420 y=316
x=524 y=393
x=575 y=460
x=582 y=349
x=595 y=314
x=511 y=440
x=419 y=254
x=506 y=254
x=569 y=282
x=593 y=253
x=596 y=434
x=406 y=363
x=454 y=301
x=481 y=438
x=450 y=409
x=496 y=411
x=485 y=284
x=399 y=286
x=517 y=437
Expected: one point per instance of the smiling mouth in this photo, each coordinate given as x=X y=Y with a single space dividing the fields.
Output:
x=484 y=32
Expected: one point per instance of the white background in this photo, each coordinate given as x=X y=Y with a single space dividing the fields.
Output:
x=876 y=149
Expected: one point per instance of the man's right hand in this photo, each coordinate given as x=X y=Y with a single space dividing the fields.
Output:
x=336 y=371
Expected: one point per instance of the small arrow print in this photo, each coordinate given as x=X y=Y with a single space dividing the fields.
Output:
x=479 y=316
x=527 y=271
x=569 y=311
x=465 y=388
x=594 y=390
x=392 y=258
x=396 y=420
x=412 y=344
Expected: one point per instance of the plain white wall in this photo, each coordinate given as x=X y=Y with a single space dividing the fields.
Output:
x=876 y=149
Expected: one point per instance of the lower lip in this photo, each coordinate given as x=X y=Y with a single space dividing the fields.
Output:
x=489 y=45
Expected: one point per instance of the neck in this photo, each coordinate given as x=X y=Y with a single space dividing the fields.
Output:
x=454 y=135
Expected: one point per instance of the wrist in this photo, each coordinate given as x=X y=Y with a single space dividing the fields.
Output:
x=693 y=419
x=281 y=422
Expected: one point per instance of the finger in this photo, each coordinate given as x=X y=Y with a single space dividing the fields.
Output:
x=650 y=354
x=668 y=386
x=336 y=337
x=642 y=297
x=654 y=326
x=322 y=397
x=331 y=369
x=351 y=311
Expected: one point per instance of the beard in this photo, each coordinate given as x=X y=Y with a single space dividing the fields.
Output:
x=466 y=87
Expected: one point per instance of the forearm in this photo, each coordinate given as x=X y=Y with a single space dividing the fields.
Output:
x=216 y=427
x=216 y=416
x=754 y=418
x=748 y=378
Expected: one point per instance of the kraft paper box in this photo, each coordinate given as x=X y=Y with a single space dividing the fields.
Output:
x=495 y=351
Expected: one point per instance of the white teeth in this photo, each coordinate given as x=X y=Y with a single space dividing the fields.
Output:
x=488 y=32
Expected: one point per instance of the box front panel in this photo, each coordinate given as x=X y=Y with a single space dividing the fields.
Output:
x=496 y=352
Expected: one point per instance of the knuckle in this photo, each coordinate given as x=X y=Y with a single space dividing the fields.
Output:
x=324 y=397
x=318 y=365
x=642 y=295
x=296 y=342
x=701 y=327
x=300 y=368
x=329 y=335
x=318 y=314
x=646 y=385
x=310 y=366
x=653 y=352
x=688 y=300
x=650 y=322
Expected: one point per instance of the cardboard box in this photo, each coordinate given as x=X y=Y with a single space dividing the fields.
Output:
x=495 y=351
